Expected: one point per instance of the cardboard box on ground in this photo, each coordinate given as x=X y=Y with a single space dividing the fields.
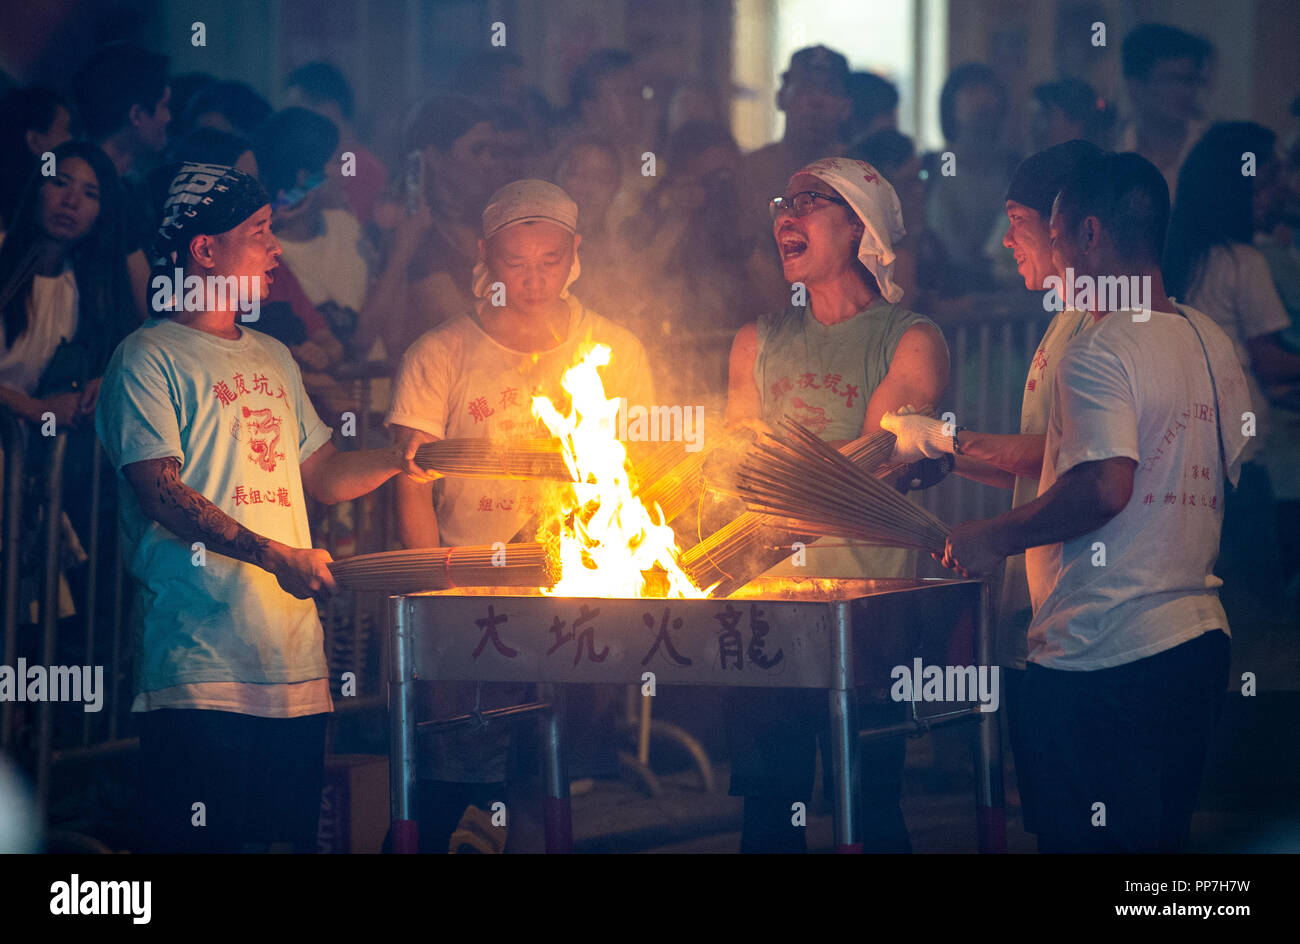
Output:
x=354 y=804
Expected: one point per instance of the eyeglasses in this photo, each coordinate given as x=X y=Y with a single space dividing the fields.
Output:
x=801 y=204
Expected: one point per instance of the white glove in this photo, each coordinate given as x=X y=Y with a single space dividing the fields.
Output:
x=918 y=436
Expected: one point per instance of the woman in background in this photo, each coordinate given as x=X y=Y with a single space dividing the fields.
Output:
x=65 y=303
x=64 y=298
x=1211 y=264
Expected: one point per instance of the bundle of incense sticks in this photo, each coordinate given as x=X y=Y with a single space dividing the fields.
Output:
x=675 y=485
x=665 y=476
x=797 y=476
x=446 y=568
x=753 y=542
x=494 y=459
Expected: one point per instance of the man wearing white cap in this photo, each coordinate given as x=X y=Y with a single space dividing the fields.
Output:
x=475 y=377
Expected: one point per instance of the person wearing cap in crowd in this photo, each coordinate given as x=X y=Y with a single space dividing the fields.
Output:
x=1013 y=461
x=475 y=377
x=215 y=444
x=814 y=96
x=1128 y=647
x=836 y=365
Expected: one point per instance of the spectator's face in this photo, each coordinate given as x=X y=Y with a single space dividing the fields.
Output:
x=467 y=171
x=152 y=126
x=1172 y=90
x=979 y=111
x=591 y=177
x=821 y=246
x=250 y=249
x=70 y=201
x=1030 y=242
x=618 y=108
x=532 y=260
x=59 y=131
x=814 y=110
x=709 y=184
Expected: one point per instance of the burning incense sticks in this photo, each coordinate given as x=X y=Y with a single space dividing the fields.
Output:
x=795 y=475
x=755 y=542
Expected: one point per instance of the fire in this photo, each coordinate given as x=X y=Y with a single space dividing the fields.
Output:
x=608 y=539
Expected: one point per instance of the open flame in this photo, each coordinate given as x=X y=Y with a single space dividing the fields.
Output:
x=608 y=539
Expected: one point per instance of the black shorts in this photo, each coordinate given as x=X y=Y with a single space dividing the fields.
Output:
x=1113 y=759
x=259 y=780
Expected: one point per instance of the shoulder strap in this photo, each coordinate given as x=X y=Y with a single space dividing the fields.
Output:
x=1218 y=420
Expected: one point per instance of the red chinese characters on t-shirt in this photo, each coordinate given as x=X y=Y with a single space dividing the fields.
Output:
x=809 y=414
x=259 y=429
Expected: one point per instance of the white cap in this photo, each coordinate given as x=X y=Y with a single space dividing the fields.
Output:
x=529 y=201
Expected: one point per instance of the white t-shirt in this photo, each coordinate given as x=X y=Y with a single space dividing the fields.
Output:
x=330 y=267
x=236 y=415
x=1236 y=289
x=52 y=315
x=457 y=382
x=1015 y=608
x=1140 y=390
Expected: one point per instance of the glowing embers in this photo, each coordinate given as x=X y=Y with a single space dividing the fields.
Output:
x=608 y=543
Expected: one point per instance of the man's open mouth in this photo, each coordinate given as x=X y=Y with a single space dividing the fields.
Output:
x=792 y=246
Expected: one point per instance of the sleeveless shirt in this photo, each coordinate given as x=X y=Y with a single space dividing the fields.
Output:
x=823 y=376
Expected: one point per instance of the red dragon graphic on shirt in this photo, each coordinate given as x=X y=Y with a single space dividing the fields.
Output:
x=263 y=430
x=813 y=417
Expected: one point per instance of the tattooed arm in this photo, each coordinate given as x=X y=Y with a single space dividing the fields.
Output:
x=191 y=517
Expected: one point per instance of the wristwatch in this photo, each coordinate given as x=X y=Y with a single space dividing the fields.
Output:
x=956 y=447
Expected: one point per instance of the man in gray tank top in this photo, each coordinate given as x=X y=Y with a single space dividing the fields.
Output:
x=837 y=360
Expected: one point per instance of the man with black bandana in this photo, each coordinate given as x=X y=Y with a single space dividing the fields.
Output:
x=215 y=443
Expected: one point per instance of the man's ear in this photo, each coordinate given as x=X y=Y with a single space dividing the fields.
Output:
x=482 y=252
x=577 y=241
x=137 y=115
x=201 y=250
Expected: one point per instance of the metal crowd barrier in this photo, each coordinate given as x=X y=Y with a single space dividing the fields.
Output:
x=52 y=747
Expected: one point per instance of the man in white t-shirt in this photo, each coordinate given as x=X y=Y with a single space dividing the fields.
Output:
x=1013 y=461
x=1128 y=648
x=215 y=444
x=474 y=377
